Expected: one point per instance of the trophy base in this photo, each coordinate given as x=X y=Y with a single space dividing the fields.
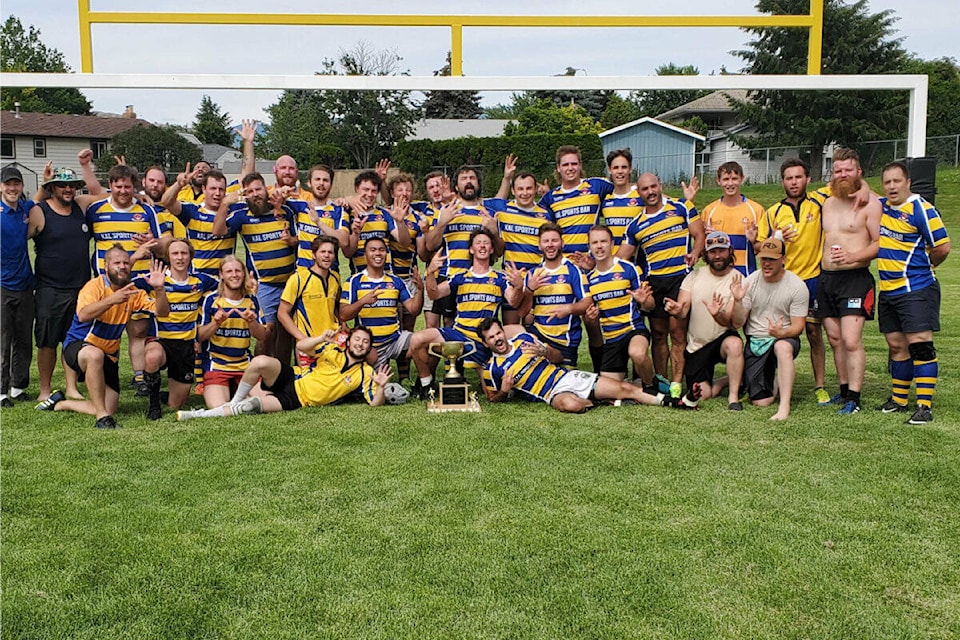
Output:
x=454 y=397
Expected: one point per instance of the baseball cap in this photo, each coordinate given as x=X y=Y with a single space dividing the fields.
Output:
x=717 y=240
x=10 y=172
x=771 y=248
x=62 y=175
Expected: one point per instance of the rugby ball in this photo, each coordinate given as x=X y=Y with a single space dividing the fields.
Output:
x=395 y=393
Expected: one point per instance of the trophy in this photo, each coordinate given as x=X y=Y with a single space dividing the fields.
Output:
x=454 y=390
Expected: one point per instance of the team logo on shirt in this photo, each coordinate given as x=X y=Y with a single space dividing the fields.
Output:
x=809 y=217
x=348 y=379
x=585 y=190
x=491 y=280
x=137 y=217
x=617 y=276
x=632 y=202
x=561 y=279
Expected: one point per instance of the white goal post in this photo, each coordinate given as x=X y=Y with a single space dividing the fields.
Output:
x=915 y=84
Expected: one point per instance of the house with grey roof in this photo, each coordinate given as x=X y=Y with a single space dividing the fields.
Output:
x=657 y=147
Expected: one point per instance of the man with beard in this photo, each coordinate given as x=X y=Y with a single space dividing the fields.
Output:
x=271 y=386
x=270 y=249
x=198 y=219
x=451 y=235
x=287 y=175
x=736 y=215
x=437 y=187
x=557 y=293
x=913 y=241
x=318 y=216
x=92 y=345
x=375 y=298
x=174 y=349
x=796 y=220
x=310 y=303
x=705 y=300
x=771 y=306
x=370 y=221
x=61 y=239
x=664 y=231
x=524 y=364
x=192 y=191
x=845 y=292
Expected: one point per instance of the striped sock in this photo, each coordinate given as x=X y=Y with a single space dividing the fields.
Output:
x=925 y=374
x=901 y=375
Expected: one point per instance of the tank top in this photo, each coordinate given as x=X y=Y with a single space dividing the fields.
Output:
x=63 y=249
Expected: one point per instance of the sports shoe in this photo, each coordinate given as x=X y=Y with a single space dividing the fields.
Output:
x=922 y=415
x=690 y=400
x=106 y=422
x=6 y=403
x=836 y=399
x=735 y=406
x=823 y=398
x=675 y=390
x=423 y=393
x=664 y=386
x=143 y=391
x=18 y=395
x=849 y=408
x=50 y=403
x=892 y=406
x=185 y=414
x=246 y=407
x=154 y=413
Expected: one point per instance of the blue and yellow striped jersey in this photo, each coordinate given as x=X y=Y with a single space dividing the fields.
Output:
x=186 y=194
x=210 y=249
x=663 y=237
x=534 y=376
x=105 y=330
x=269 y=258
x=907 y=232
x=564 y=285
x=478 y=296
x=619 y=312
x=456 y=240
x=376 y=224
x=184 y=299
x=734 y=221
x=314 y=300
x=382 y=318
x=576 y=211
x=404 y=259
x=110 y=226
x=619 y=211
x=228 y=349
x=169 y=224
x=805 y=253
x=520 y=231
x=310 y=222
x=331 y=379
x=429 y=212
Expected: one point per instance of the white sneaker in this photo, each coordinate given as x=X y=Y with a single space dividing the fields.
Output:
x=246 y=407
x=185 y=415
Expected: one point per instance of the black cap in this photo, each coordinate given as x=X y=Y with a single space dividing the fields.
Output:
x=10 y=172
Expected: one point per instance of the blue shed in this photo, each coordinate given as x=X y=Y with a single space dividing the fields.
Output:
x=657 y=147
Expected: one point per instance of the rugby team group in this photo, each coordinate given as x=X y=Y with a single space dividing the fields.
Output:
x=521 y=278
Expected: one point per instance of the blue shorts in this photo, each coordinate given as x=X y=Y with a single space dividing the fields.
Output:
x=480 y=354
x=812 y=300
x=268 y=295
x=569 y=353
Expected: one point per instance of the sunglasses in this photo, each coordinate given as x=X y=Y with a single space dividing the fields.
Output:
x=715 y=241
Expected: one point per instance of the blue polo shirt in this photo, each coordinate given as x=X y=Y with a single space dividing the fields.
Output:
x=15 y=271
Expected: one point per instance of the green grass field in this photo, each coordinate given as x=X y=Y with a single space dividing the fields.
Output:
x=519 y=522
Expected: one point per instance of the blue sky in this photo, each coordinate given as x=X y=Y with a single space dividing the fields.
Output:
x=929 y=28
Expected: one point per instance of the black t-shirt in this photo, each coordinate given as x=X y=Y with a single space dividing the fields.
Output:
x=63 y=249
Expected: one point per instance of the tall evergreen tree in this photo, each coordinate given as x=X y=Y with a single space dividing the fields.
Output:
x=144 y=145
x=654 y=102
x=594 y=102
x=212 y=126
x=451 y=104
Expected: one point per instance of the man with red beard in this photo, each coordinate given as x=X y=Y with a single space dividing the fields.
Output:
x=845 y=293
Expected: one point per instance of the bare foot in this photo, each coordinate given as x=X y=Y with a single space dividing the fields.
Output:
x=780 y=416
x=74 y=395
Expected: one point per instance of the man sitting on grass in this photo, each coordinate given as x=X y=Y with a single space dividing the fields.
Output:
x=527 y=365
x=336 y=374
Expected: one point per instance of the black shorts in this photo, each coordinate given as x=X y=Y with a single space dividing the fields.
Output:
x=55 y=311
x=616 y=355
x=846 y=293
x=284 y=389
x=664 y=287
x=181 y=357
x=912 y=312
x=699 y=365
x=111 y=370
x=760 y=371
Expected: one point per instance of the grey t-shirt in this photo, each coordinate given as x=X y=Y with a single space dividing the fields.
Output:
x=767 y=301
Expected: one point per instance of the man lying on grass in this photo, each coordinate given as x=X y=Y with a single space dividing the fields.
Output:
x=527 y=365
x=270 y=386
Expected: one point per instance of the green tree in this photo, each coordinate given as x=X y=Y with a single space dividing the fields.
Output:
x=546 y=117
x=451 y=104
x=594 y=102
x=301 y=128
x=212 y=126
x=619 y=111
x=22 y=51
x=145 y=145
x=855 y=41
x=652 y=103
x=943 y=93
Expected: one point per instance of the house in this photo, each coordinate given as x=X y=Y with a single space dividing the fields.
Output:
x=229 y=160
x=449 y=129
x=759 y=166
x=31 y=140
x=657 y=147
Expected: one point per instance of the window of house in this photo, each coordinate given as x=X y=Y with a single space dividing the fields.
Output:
x=39 y=147
x=8 y=147
x=99 y=148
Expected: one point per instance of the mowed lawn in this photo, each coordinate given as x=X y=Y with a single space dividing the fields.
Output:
x=518 y=522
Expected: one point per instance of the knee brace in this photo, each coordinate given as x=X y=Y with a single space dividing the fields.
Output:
x=922 y=351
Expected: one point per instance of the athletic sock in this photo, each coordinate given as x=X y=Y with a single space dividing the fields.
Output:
x=152 y=380
x=243 y=390
x=853 y=396
x=425 y=382
x=845 y=391
x=138 y=376
x=901 y=376
x=925 y=374
x=596 y=358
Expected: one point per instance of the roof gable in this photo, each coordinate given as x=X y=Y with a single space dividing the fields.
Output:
x=652 y=121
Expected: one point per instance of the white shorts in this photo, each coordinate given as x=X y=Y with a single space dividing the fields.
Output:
x=579 y=383
x=395 y=349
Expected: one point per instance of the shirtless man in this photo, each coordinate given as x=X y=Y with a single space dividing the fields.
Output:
x=845 y=293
